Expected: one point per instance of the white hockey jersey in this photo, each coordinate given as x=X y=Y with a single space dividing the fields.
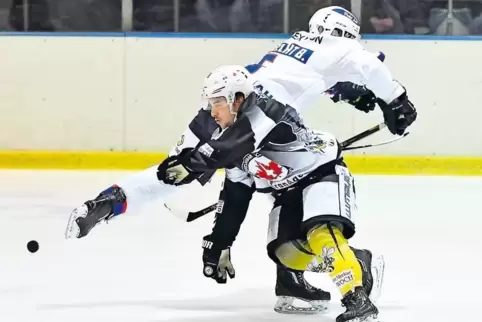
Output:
x=304 y=66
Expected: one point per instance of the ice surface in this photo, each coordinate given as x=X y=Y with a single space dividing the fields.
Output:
x=146 y=266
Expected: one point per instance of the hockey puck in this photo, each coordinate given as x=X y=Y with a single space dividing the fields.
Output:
x=32 y=246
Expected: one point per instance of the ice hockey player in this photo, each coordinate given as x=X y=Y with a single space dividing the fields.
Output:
x=326 y=58
x=135 y=190
x=290 y=284
x=264 y=146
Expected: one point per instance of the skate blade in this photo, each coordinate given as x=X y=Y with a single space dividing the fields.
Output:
x=73 y=230
x=370 y=318
x=284 y=305
x=378 y=272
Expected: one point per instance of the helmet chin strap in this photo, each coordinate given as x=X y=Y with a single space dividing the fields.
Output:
x=235 y=116
x=231 y=106
x=231 y=110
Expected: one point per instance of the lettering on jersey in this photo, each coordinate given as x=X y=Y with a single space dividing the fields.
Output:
x=207 y=244
x=304 y=36
x=299 y=53
x=343 y=278
x=206 y=149
x=220 y=206
x=278 y=185
x=347 y=190
x=246 y=159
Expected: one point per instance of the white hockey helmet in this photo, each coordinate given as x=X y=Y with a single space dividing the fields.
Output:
x=226 y=81
x=335 y=21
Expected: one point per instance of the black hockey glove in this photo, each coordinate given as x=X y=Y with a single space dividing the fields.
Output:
x=365 y=103
x=356 y=95
x=217 y=261
x=399 y=114
x=175 y=170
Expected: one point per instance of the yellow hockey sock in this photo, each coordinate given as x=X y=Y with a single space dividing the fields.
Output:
x=295 y=254
x=338 y=259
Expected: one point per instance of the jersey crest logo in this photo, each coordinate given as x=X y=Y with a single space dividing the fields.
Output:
x=270 y=171
x=264 y=168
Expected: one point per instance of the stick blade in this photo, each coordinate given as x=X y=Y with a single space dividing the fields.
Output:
x=178 y=213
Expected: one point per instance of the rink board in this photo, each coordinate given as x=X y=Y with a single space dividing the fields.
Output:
x=363 y=164
x=138 y=93
x=124 y=95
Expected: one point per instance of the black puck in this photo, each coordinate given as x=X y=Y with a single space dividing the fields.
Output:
x=32 y=246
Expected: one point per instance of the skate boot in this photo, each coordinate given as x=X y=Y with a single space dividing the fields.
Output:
x=290 y=286
x=373 y=268
x=82 y=219
x=359 y=308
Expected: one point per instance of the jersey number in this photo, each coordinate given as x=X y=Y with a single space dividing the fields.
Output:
x=255 y=67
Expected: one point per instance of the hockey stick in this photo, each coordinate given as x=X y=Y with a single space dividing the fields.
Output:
x=361 y=136
x=377 y=144
x=193 y=215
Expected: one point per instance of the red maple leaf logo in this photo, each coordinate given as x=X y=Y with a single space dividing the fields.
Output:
x=271 y=171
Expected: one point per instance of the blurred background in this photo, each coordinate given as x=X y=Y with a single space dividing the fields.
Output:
x=419 y=17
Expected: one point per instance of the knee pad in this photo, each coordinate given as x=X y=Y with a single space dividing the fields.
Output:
x=335 y=256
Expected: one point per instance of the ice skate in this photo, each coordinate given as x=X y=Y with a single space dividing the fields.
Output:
x=83 y=219
x=92 y=212
x=373 y=268
x=359 y=308
x=292 y=287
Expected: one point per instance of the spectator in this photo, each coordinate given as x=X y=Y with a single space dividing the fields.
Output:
x=231 y=16
x=466 y=17
x=5 y=16
x=38 y=16
x=153 y=15
x=393 y=17
x=86 y=15
x=263 y=16
x=206 y=15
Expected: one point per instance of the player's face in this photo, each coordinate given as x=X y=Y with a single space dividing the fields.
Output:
x=220 y=112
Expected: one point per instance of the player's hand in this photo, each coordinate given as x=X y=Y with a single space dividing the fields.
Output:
x=365 y=103
x=217 y=261
x=356 y=95
x=173 y=170
x=399 y=114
